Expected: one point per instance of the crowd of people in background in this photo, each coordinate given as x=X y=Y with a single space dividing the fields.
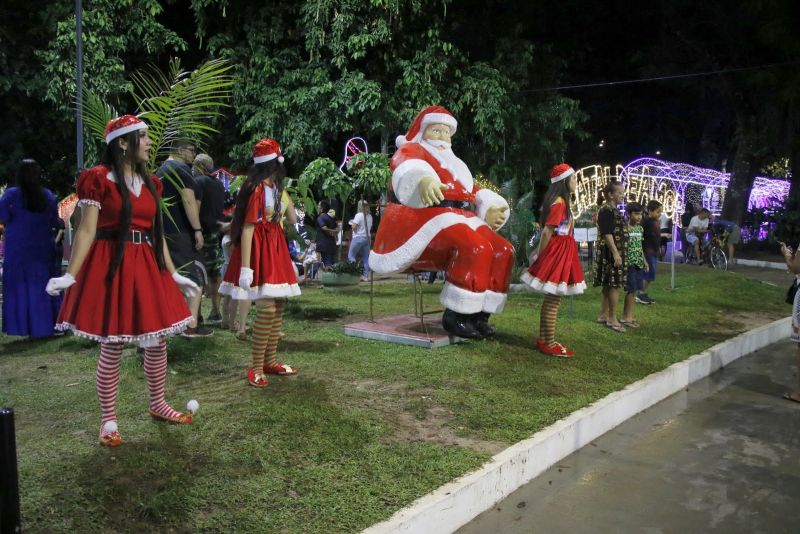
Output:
x=197 y=221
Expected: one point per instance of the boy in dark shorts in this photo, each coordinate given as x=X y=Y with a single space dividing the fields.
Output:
x=637 y=266
x=651 y=242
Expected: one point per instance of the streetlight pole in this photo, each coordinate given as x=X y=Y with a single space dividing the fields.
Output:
x=79 y=82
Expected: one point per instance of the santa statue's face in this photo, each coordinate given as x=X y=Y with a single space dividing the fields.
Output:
x=438 y=135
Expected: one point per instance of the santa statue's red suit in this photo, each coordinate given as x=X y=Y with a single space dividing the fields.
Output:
x=438 y=219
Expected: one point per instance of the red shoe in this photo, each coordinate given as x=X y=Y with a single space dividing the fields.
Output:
x=556 y=350
x=280 y=369
x=182 y=419
x=256 y=380
x=109 y=435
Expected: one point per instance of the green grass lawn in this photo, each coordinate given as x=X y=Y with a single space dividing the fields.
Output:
x=365 y=427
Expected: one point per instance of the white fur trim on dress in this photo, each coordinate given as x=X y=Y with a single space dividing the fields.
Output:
x=264 y=291
x=144 y=340
x=406 y=178
x=403 y=256
x=88 y=202
x=485 y=199
x=495 y=302
x=552 y=288
x=461 y=300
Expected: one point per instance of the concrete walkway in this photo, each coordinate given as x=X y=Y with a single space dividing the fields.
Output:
x=723 y=456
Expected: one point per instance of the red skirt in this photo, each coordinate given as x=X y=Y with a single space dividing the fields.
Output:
x=273 y=272
x=557 y=270
x=140 y=304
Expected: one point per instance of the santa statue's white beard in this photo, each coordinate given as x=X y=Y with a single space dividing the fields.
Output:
x=444 y=153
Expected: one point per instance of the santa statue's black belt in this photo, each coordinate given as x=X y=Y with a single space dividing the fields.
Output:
x=134 y=236
x=458 y=204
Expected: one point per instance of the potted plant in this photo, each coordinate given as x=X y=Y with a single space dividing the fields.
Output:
x=343 y=273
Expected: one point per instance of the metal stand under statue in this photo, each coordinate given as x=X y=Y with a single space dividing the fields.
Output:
x=420 y=329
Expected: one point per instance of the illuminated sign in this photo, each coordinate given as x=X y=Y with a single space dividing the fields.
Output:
x=673 y=184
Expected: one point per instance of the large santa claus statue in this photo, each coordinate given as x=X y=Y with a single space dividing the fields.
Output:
x=438 y=219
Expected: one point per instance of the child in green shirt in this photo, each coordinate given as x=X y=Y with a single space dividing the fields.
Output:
x=637 y=265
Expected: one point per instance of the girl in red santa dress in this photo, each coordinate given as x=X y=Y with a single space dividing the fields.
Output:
x=123 y=287
x=557 y=269
x=260 y=269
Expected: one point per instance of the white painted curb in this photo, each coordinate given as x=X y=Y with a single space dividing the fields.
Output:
x=762 y=264
x=458 y=502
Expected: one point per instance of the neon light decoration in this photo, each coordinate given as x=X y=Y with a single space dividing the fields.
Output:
x=674 y=184
x=225 y=176
x=351 y=149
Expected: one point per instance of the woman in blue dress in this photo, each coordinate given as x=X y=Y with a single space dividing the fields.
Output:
x=29 y=213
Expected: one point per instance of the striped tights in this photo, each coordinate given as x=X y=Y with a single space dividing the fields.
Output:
x=266 y=331
x=155 y=371
x=547 y=319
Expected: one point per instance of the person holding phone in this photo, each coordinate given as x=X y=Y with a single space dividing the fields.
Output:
x=792 y=260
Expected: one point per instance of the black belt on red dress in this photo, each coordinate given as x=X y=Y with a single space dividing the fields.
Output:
x=137 y=237
x=457 y=204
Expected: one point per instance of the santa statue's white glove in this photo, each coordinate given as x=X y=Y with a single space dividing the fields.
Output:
x=496 y=216
x=430 y=190
x=245 y=278
x=57 y=285
x=189 y=288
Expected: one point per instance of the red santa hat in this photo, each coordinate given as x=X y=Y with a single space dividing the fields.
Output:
x=123 y=125
x=429 y=115
x=560 y=172
x=266 y=150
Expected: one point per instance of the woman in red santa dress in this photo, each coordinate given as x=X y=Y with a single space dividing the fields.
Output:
x=557 y=269
x=260 y=269
x=121 y=284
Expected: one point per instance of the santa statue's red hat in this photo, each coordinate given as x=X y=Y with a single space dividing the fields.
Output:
x=266 y=150
x=560 y=172
x=123 y=125
x=429 y=115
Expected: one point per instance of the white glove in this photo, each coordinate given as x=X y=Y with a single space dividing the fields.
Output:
x=245 y=278
x=189 y=288
x=57 y=285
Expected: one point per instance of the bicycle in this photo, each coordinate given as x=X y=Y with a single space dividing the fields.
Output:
x=712 y=252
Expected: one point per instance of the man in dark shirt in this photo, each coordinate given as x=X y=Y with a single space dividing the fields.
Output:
x=182 y=230
x=327 y=230
x=213 y=194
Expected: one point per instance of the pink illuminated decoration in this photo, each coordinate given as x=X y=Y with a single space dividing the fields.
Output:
x=352 y=149
x=225 y=176
x=768 y=193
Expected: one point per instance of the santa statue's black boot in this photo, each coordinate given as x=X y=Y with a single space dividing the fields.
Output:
x=458 y=324
x=480 y=321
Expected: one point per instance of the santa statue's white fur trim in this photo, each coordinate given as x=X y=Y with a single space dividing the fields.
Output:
x=406 y=178
x=485 y=199
x=461 y=300
x=495 y=302
x=403 y=256
x=430 y=118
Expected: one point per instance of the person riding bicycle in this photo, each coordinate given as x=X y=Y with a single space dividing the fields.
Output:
x=698 y=227
x=729 y=233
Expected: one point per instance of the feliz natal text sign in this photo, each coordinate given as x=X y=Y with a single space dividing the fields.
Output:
x=648 y=179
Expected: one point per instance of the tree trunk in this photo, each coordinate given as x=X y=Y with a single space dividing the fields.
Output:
x=743 y=174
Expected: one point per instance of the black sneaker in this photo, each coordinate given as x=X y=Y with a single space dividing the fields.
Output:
x=214 y=317
x=199 y=331
x=643 y=298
